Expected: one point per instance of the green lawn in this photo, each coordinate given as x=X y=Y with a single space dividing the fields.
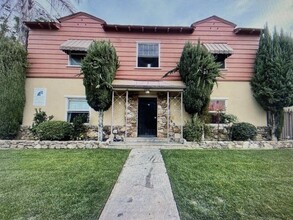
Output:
x=57 y=184
x=223 y=184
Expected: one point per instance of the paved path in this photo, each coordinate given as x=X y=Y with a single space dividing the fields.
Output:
x=143 y=190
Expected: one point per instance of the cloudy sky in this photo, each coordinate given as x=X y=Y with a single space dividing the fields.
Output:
x=244 y=13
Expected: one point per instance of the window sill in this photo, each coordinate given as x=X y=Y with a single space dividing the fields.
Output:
x=223 y=69
x=221 y=125
x=148 y=68
x=73 y=66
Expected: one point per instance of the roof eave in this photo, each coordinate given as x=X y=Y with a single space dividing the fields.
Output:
x=148 y=29
x=47 y=25
x=249 y=31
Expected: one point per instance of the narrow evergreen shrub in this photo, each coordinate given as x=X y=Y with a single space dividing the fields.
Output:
x=193 y=130
x=243 y=131
x=54 y=130
x=12 y=86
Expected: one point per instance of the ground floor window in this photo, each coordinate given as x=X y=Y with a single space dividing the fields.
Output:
x=217 y=107
x=77 y=107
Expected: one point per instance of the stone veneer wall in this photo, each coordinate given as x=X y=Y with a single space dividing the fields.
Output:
x=131 y=115
x=162 y=112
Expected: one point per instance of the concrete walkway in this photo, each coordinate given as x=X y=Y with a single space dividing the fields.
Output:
x=143 y=190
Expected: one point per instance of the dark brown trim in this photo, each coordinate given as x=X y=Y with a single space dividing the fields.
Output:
x=33 y=25
x=250 y=31
x=148 y=29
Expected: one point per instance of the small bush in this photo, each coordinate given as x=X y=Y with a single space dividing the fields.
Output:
x=193 y=130
x=78 y=127
x=39 y=117
x=54 y=130
x=228 y=118
x=243 y=131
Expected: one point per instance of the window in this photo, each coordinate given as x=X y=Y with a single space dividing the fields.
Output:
x=75 y=58
x=220 y=58
x=216 y=108
x=77 y=107
x=148 y=55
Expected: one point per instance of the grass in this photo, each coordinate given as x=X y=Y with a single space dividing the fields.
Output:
x=223 y=184
x=57 y=184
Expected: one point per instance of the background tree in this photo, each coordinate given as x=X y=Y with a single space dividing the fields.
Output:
x=199 y=72
x=99 y=68
x=14 y=12
x=12 y=87
x=272 y=82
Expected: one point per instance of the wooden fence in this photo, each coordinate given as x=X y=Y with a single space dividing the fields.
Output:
x=287 y=132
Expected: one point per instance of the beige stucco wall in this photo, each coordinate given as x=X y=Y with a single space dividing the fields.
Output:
x=240 y=101
x=56 y=98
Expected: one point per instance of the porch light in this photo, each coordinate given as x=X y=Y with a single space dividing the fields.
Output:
x=147 y=91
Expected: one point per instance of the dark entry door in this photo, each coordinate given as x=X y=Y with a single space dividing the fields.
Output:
x=147 y=117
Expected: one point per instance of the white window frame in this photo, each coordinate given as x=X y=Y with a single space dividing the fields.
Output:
x=67 y=105
x=219 y=99
x=159 y=51
x=74 y=53
x=214 y=112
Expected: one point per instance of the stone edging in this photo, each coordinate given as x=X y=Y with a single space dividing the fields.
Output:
x=241 y=144
x=28 y=144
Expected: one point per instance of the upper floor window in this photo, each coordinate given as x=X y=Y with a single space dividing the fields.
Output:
x=220 y=51
x=220 y=58
x=148 y=55
x=75 y=58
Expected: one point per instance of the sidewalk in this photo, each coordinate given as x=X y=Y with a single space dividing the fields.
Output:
x=143 y=190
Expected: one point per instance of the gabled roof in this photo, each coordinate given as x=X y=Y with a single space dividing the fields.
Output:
x=214 y=17
x=78 y=14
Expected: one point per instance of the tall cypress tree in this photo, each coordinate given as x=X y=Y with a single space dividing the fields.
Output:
x=272 y=82
x=199 y=72
x=99 y=68
x=12 y=86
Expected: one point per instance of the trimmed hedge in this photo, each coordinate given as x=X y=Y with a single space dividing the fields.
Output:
x=243 y=131
x=54 y=130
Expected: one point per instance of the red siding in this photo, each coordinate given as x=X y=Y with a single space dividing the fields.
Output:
x=47 y=60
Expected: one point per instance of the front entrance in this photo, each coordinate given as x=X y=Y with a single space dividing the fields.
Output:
x=147 y=117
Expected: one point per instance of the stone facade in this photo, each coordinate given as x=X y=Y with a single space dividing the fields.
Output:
x=131 y=115
x=162 y=112
x=222 y=133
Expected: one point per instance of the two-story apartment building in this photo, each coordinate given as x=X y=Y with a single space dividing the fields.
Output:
x=143 y=103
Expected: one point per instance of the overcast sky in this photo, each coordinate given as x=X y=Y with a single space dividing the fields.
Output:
x=244 y=13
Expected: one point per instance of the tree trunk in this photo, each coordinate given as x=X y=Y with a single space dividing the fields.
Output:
x=274 y=127
x=100 y=125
